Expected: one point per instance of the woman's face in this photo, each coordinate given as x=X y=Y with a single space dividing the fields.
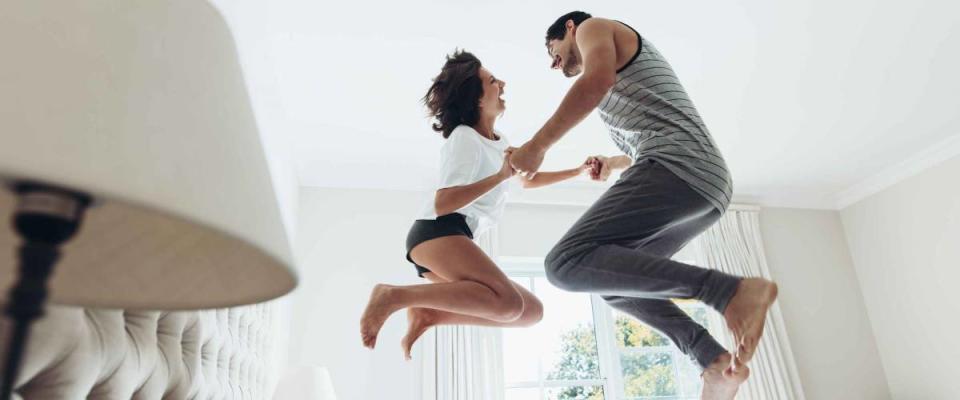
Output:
x=491 y=103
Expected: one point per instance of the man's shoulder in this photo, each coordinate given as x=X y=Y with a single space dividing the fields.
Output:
x=598 y=24
x=595 y=31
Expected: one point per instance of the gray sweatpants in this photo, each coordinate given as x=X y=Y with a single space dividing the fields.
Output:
x=620 y=249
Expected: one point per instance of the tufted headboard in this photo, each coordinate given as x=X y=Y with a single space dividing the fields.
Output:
x=76 y=353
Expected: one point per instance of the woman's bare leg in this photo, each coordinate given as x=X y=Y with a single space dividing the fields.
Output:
x=474 y=287
x=421 y=319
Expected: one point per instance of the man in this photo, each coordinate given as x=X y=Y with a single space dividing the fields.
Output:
x=675 y=185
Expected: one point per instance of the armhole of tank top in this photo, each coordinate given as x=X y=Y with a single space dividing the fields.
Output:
x=639 y=47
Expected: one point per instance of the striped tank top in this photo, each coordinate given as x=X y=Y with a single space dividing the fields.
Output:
x=650 y=116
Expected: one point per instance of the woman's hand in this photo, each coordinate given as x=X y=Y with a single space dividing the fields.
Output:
x=588 y=166
x=601 y=167
x=506 y=170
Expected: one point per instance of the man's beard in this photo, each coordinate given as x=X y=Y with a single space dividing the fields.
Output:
x=572 y=67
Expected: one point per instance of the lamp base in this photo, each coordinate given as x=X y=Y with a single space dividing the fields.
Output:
x=45 y=218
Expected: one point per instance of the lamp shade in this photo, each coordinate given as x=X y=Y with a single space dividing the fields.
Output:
x=142 y=105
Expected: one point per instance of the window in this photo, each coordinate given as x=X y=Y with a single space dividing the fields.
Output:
x=557 y=358
x=585 y=350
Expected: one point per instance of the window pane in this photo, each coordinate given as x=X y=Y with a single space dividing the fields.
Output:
x=576 y=393
x=565 y=336
x=632 y=333
x=698 y=312
x=648 y=375
x=562 y=346
x=519 y=360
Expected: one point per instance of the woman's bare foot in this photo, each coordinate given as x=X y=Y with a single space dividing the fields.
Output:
x=378 y=310
x=720 y=381
x=419 y=320
x=746 y=313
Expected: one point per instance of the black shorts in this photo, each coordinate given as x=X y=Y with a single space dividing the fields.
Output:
x=429 y=229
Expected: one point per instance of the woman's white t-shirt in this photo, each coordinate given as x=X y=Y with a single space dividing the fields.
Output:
x=468 y=157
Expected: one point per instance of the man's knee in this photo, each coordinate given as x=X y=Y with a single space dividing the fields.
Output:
x=557 y=266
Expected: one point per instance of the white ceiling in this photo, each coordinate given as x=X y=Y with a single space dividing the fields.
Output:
x=806 y=99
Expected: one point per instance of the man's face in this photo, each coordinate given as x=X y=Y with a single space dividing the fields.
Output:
x=565 y=55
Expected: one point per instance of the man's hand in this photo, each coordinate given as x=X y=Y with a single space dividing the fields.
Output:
x=527 y=159
x=603 y=166
x=506 y=170
x=588 y=166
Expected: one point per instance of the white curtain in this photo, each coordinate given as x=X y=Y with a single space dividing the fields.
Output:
x=733 y=245
x=464 y=362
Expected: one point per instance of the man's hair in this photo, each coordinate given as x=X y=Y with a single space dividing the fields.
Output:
x=558 y=30
x=454 y=97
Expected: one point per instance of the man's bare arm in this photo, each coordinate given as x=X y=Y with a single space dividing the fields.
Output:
x=595 y=38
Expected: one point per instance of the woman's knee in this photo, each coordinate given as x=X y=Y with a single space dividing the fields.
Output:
x=532 y=312
x=509 y=305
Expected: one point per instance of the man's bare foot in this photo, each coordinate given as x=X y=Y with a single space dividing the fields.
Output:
x=419 y=320
x=720 y=381
x=746 y=313
x=378 y=310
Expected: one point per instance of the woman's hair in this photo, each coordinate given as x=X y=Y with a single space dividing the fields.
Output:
x=454 y=97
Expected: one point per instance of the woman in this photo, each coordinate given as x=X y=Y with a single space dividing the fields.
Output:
x=466 y=287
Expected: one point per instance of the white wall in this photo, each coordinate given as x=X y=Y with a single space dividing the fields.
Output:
x=347 y=241
x=822 y=306
x=532 y=230
x=905 y=243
